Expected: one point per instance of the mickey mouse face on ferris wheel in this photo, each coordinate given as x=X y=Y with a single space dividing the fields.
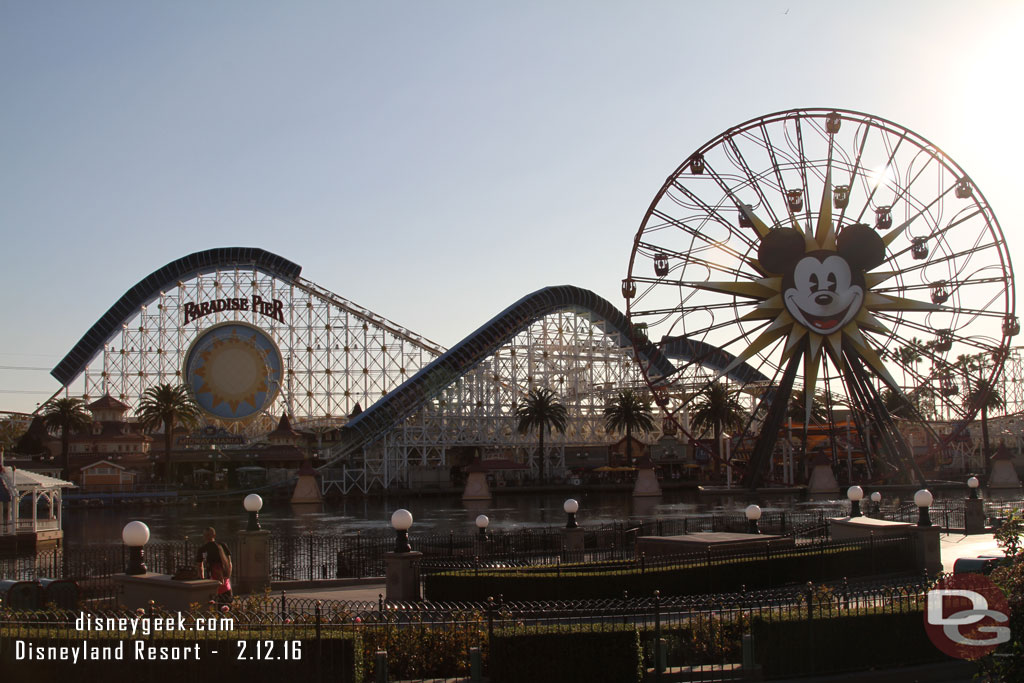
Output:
x=823 y=290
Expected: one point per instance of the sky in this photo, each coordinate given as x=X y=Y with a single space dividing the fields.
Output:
x=433 y=161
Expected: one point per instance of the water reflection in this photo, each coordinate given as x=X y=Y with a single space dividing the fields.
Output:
x=435 y=514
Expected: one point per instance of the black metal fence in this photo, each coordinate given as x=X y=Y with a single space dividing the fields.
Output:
x=694 y=638
x=312 y=556
x=91 y=566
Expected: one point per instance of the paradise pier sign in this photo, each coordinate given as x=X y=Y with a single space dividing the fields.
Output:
x=272 y=309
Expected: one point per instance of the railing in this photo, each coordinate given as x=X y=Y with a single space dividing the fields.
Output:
x=317 y=556
x=92 y=566
x=313 y=557
x=695 y=637
x=27 y=525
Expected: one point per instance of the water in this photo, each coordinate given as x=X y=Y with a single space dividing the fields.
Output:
x=431 y=514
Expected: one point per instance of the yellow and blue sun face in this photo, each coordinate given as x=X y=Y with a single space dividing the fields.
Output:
x=234 y=371
x=816 y=290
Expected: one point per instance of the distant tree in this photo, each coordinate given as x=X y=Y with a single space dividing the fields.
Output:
x=968 y=366
x=910 y=355
x=541 y=411
x=626 y=412
x=165 y=405
x=985 y=397
x=900 y=405
x=718 y=409
x=797 y=411
x=66 y=416
x=9 y=433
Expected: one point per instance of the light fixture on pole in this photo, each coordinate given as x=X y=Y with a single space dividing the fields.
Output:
x=876 y=498
x=481 y=523
x=923 y=499
x=753 y=513
x=571 y=507
x=401 y=520
x=135 y=535
x=253 y=504
x=855 y=494
x=973 y=485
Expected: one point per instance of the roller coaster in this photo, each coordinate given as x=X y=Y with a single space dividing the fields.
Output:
x=803 y=250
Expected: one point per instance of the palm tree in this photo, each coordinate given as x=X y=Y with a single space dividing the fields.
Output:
x=718 y=409
x=164 y=406
x=898 y=404
x=910 y=355
x=9 y=433
x=541 y=411
x=626 y=412
x=66 y=415
x=797 y=408
x=985 y=397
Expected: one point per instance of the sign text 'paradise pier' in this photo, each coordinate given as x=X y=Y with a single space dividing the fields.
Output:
x=273 y=308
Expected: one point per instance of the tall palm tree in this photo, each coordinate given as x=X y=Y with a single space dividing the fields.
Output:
x=985 y=397
x=910 y=355
x=66 y=415
x=626 y=412
x=718 y=409
x=165 y=405
x=541 y=411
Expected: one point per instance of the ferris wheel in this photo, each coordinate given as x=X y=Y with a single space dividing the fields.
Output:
x=832 y=253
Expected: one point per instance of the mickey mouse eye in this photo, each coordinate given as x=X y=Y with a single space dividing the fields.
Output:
x=831 y=282
x=815 y=283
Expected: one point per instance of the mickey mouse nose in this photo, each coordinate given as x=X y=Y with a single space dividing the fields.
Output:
x=823 y=299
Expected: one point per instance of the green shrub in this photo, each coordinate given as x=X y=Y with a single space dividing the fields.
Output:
x=570 y=582
x=425 y=650
x=1007 y=662
x=566 y=653
x=795 y=646
x=702 y=639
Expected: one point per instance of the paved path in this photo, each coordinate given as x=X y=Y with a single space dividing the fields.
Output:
x=364 y=592
x=957 y=545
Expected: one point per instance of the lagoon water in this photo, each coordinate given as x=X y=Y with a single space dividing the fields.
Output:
x=431 y=514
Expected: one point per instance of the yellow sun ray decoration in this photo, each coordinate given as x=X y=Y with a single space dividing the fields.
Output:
x=234 y=371
x=800 y=250
x=818 y=293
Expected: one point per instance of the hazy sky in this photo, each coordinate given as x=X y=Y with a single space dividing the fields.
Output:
x=433 y=161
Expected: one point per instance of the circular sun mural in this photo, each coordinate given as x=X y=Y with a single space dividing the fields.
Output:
x=234 y=370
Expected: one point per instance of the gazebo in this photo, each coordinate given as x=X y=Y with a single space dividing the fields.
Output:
x=24 y=528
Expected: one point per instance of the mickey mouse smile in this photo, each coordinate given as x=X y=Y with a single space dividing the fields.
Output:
x=823 y=297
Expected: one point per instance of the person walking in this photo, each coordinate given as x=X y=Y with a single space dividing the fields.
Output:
x=215 y=558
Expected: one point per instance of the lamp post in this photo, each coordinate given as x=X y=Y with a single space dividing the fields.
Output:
x=481 y=523
x=855 y=494
x=571 y=507
x=252 y=504
x=401 y=520
x=135 y=535
x=753 y=513
x=923 y=499
x=876 y=498
x=973 y=485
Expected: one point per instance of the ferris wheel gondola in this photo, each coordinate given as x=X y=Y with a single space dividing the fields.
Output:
x=830 y=252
